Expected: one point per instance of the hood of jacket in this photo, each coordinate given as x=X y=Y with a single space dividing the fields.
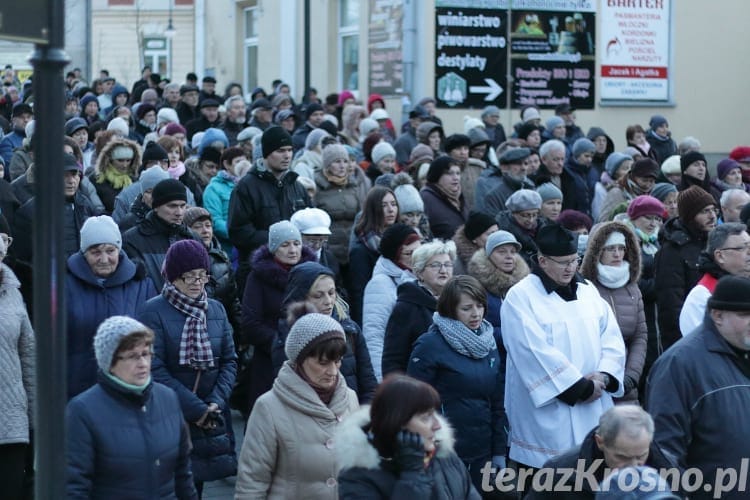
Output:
x=301 y=279
x=354 y=449
x=493 y=279
x=675 y=231
x=464 y=247
x=300 y=396
x=707 y=264
x=269 y=271
x=104 y=160
x=9 y=281
x=595 y=132
x=126 y=271
x=598 y=237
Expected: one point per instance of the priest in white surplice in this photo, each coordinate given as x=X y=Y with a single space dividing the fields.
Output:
x=566 y=356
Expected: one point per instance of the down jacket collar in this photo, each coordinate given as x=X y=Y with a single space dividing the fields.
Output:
x=354 y=449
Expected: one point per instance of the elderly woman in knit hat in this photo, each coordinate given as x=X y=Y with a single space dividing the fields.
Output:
x=194 y=355
x=459 y=357
x=127 y=427
x=612 y=262
x=471 y=237
x=262 y=299
x=393 y=267
x=616 y=167
x=101 y=282
x=682 y=240
x=666 y=192
x=18 y=373
x=498 y=266
x=311 y=159
x=288 y=450
x=411 y=206
x=339 y=195
x=116 y=168
x=443 y=200
x=552 y=199
x=728 y=176
x=521 y=219
x=383 y=161
x=638 y=181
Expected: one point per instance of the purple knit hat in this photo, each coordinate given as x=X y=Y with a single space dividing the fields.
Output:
x=725 y=166
x=184 y=256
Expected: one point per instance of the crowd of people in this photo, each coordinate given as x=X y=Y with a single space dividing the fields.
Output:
x=394 y=311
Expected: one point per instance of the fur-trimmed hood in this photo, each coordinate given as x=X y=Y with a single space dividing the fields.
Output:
x=354 y=449
x=597 y=238
x=464 y=247
x=105 y=157
x=493 y=279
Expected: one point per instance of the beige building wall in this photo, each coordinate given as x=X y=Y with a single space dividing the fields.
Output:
x=708 y=67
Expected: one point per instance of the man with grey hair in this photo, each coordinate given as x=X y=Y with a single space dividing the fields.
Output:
x=687 y=145
x=492 y=192
x=623 y=438
x=552 y=154
x=235 y=120
x=727 y=252
x=732 y=202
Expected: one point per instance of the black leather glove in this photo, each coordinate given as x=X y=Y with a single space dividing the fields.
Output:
x=409 y=452
x=629 y=384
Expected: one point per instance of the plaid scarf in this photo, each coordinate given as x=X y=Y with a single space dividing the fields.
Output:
x=195 y=348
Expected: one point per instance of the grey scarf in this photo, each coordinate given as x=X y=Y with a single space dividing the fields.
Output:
x=464 y=341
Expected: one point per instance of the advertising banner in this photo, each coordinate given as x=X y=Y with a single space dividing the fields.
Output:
x=552 y=47
x=385 y=44
x=635 y=53
x=470 y=53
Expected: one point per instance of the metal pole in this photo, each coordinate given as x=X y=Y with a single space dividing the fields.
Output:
x=307 y=46
x=49 y=265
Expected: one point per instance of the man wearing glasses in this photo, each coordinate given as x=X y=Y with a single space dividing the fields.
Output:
x=566 y=355
x=727 y=252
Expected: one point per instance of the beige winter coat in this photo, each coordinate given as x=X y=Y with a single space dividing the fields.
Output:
x=288 y=448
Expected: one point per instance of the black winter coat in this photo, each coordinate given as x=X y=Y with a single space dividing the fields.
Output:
x=138 y=212
x=676 y=273
x=116 y=436
x=223 y=286
x=149 y=241
x=261 y=311
x=506 y=222
x=443 y=216
x=259 y=200
x=361 y=263
x=588 y=451
x=410 y=318
x=213 y=455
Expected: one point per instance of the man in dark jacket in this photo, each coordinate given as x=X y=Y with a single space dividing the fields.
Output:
x=22 y=115
x=695 y=407
x=210 y=118
x=314 y=117
x=623 y=438
x=408 y=138
x=268 y=194
x=676 y=263
x=235 y=120
x=495 y=186
x=572 y=131
x=149 y=241
x=187 y=109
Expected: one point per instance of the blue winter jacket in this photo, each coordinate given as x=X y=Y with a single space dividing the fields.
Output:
x=471 y=393
x=214 y=456
x=89 y=301
x=216 y=201
x=122 y=445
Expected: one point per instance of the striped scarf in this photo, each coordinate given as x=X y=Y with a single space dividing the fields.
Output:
x=195 y=347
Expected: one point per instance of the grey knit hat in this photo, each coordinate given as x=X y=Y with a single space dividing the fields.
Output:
x=151 y=177
x=382 y=150
x=524 y=199
x=334 y=152
x=109 y=335
x=549 y=191
x=100 y=230
x=500 y=238
x=280 y=232
x=307 y=329
x=581 y=146
x=408 y=199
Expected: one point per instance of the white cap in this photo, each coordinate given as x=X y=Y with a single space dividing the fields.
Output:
x=312 y=221
x=379 y=114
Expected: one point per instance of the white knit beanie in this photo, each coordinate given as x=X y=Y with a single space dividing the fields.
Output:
x=408 y=199
x=381 y=150
x=100 y=230
x=109 y=335
x=119 y=125
x=308 y=328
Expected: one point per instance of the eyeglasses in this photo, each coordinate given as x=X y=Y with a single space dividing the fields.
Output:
x=135 y=357
x=743 y=248
x=315 y=241
x=527 y=216
x=436 y=266
x=191 y=280
x=566 y=263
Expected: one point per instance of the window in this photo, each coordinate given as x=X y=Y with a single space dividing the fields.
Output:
x=156 y=54
x=349 y=44
x=250 y=49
